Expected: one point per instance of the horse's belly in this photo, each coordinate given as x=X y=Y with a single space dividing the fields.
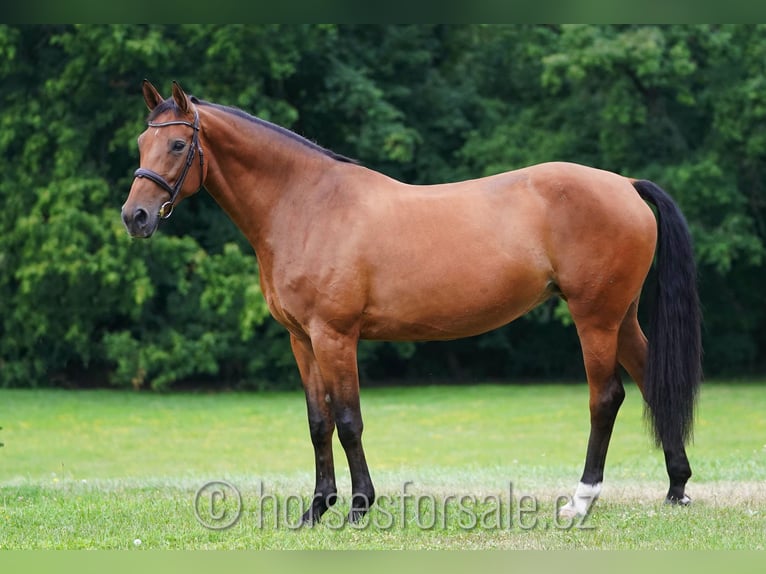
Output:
x=452 y=307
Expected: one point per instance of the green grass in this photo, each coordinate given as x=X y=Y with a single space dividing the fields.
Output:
x=101 y=469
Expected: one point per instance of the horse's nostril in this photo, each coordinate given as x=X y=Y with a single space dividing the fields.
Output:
x=140 y=217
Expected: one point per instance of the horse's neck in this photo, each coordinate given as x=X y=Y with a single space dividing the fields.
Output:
x=253 y=172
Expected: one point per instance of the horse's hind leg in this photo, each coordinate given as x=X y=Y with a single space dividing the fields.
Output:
x=632 y=346
x=599 y=347
x=632 y=353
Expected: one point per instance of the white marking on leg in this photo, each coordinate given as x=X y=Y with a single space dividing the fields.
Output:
x=585 y=495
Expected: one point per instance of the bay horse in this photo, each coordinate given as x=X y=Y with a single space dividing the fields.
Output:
x=346 y=253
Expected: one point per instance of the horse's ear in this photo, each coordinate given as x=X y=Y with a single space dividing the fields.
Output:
x=181 y=99
x=151 y=96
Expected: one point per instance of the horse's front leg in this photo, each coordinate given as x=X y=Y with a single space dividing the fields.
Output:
x=336 y=356
x=321 y=426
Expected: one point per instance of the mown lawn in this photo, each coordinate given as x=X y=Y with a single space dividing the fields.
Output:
x=454 y=467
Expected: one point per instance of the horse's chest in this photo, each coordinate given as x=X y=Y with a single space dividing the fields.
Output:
x=280 y=307
x=293 y=299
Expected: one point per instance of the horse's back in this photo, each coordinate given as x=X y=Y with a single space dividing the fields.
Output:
x=458 y=259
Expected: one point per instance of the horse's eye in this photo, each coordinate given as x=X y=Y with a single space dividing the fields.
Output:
x=179 y=145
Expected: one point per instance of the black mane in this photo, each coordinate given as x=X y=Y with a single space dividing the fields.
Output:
x=170 y=104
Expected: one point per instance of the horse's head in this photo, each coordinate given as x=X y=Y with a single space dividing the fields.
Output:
x=169 y=171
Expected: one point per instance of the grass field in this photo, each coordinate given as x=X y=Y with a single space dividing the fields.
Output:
x=454 y=467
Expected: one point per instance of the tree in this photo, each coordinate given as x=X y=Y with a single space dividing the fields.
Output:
x=80 y=301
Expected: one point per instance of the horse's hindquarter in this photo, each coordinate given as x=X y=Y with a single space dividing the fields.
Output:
x=602 y=236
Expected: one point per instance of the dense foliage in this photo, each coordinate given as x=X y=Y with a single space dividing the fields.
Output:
x=82 y=303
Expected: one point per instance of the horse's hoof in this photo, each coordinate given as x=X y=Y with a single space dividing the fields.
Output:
x=312 y=516
x=568 y=511
x=683 y=501
x=356 y=515
x=582 y=501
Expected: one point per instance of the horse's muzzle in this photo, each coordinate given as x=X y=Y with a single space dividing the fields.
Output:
x=139 y=222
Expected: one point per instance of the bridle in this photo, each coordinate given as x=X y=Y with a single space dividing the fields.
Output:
x=167 y=208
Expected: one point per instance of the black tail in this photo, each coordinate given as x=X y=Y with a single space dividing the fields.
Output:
x=673 y=371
